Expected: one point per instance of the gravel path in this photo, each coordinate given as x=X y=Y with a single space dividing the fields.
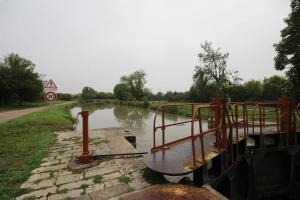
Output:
x=9 y=115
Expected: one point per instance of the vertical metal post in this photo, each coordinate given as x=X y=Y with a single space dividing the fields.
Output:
x=163 y=125
x=86 y=156
x=201 y=135
x=236 y=108
x=286 y=122
x=237 y=125
x=260 y=120
x=193 y=137
x=85 y=130
x=220 y=117
x=277 y=119
x=264 y=115
x=216 y=106
x=261 y=136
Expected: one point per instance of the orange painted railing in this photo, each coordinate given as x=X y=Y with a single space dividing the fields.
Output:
x=226 y=118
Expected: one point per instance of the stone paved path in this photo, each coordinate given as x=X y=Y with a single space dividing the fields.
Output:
x=110 y=178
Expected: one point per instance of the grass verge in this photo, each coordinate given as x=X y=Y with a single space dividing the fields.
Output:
x=24 y=143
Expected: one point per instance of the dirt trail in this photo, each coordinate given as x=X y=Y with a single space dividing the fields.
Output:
x=9 y=115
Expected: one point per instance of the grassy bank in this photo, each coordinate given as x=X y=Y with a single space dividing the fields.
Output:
x=24 y=142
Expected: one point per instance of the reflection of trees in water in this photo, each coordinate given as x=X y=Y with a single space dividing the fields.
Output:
x=171 y=117
x=92 y=107
x=130 y=117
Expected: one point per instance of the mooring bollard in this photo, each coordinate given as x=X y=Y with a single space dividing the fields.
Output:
x=86 y=156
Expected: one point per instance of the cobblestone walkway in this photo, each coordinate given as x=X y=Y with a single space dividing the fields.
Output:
x=110 y=178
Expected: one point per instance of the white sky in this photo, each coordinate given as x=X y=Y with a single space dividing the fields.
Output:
x=94 y=42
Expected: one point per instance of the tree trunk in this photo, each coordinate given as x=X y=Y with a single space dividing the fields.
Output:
x=20 y=100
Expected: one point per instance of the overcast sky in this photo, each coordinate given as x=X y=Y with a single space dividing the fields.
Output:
x=94 y=42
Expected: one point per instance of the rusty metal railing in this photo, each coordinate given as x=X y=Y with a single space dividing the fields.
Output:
x=227 y=119
x=197 y=116
x=238 y=113
x=162 y=110
x=259 y=117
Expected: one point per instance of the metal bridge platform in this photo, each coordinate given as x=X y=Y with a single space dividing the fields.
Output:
x=177 y=159
x=214 y=148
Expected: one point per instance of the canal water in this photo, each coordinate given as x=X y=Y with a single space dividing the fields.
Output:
x=137 y=121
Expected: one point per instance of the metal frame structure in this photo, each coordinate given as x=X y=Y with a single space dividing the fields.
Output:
x=229 y=123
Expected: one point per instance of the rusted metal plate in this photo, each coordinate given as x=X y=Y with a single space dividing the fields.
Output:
x=178 y=159
x=168 y=162
x=172 y=192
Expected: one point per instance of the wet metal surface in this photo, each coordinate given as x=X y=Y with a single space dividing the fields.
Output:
x=172 y=192
x=177 y=160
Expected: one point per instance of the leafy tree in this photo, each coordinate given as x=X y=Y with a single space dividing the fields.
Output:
x=176 y=96
x=201 y=92
x=105 y=95
x=274 y=87
x=64 y=96
x=212 y=73
x=253 y=90
x=23 y=81
x=5 y=90
x=122 y=92
x=158 y=97
x=147 y=94
x=288 y=49
x=88 y=93
x=135 y=83
x=236 y=92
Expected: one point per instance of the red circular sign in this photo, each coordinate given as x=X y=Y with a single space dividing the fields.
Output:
x=50 y=96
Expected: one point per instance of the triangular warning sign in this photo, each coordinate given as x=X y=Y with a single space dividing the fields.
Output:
x=50 y=84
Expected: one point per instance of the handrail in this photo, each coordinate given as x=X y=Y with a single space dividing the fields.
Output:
x=243 y=122
x=201 y=132
x=226 y=117
x=262 y=115
x=163 y=126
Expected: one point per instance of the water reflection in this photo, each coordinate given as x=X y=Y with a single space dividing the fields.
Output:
x=137 y=120
x=131 y=118
x=95 y=106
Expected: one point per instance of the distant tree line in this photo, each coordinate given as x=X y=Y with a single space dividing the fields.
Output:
x=65 y=96
x=268 y=89
x=254 y=90
x=90 y=93
x=18 y=80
